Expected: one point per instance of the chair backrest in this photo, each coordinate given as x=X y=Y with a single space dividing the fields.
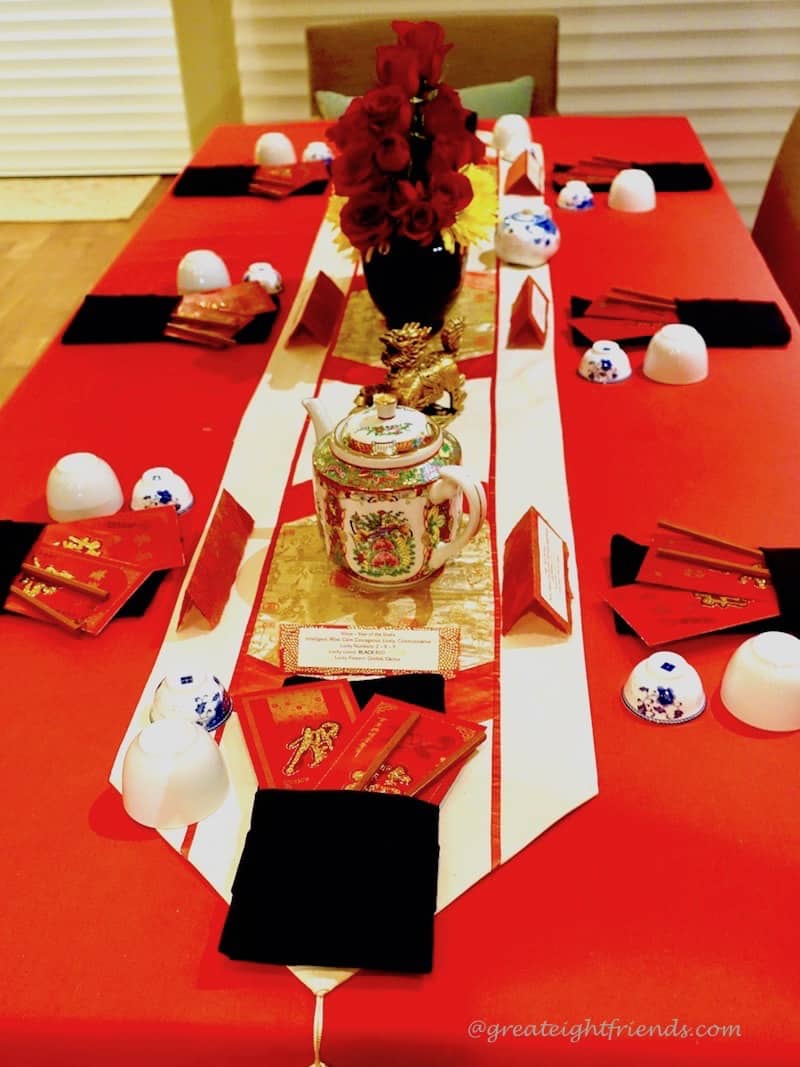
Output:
x=486 y=48
x=776 y=229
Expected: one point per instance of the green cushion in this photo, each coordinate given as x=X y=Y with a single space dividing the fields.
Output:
x=499 y=98
x=490 y=101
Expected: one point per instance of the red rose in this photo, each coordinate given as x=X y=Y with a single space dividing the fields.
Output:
x=398 y=66
x=402 y=195
x=453 y=153
x=420 y=222
x=450 y=193
x=354 y=170
x=365 y=221
x=427 y=40
x=352 y=125
x=444 y=114
x=392 y=153
x=387 y=109
x=452 y=188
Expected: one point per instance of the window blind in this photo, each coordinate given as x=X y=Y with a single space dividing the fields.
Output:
x=732 y=67
x=90 y=87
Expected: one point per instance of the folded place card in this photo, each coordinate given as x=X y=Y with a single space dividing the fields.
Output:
x=321 y=312
x=218 y=563
x=528 y=321
x=535 y=574
x=525 y=176
x=336 y=878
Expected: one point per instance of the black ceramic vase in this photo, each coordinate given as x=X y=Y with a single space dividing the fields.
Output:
x=412 y=282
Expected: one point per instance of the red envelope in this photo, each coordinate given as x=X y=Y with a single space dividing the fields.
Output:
x=660 y=615
x=39 y=597
x=293 y=731
x=366 y=745
x=432 y=745
x=150 y=538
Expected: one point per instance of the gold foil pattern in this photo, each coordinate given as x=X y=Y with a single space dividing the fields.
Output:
x=303 y=588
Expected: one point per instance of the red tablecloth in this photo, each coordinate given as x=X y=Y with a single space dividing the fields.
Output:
x=668 y=901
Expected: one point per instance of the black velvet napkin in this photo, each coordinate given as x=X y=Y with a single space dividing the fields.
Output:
x=18 y=538
x=783 y=564
x=736 y=323
x=667 y=177
x=129 y=319
x=233 y=181
x=425 y=690
x=721 y=323
x=334 y=878
x=115 y=319
x=214 y=181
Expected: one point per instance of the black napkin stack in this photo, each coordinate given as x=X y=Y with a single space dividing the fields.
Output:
x=333 y=878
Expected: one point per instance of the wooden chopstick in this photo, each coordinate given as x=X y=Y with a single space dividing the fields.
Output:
x=640 y=302
x=715 y=564
x=612 y=162
x=61 y=579
x=756 y=553
x=36 y=602
x=651 y=297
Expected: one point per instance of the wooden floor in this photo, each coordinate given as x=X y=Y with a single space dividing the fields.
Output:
x=46 y=268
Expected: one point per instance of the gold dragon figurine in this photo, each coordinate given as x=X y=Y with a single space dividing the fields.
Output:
x=420 y=379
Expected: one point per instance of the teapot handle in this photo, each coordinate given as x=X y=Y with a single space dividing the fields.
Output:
x=450 y=480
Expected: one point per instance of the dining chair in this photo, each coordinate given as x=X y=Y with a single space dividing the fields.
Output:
x=486 y=48
x=776 y=230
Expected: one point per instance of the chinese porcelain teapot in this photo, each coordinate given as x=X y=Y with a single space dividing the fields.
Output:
x=388 y=491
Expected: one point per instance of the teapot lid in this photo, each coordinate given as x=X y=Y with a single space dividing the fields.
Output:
x=385 y=435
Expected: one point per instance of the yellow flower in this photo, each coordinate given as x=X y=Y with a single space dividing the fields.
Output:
x=478 y=218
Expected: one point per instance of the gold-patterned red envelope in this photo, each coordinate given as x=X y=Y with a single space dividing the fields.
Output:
x=368 y=743
x=292 y=732
x=434 y=743
x=74 y=591
x=150 y=539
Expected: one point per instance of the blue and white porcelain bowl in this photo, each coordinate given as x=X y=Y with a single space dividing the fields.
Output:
x=266 y=275
x=528 y=238
x=194 y=696
x=605 y=363
x=317 y=152
x=161 y=487
x=576 y=196
x=665 y=689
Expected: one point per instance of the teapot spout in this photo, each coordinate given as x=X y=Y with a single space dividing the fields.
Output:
x=321 y=420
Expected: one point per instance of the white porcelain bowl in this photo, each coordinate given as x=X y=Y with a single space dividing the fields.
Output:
x=173 y=774
x=605 y=363
x=761 y=682
x=81 y=485
x=194 y=696
x=274 y=149
x=202 y=271
x=510 y=128
x=664 y=688
x=632 y=190
x=676 y=355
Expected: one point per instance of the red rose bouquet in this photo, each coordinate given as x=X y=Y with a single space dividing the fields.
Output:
x=408 y=162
